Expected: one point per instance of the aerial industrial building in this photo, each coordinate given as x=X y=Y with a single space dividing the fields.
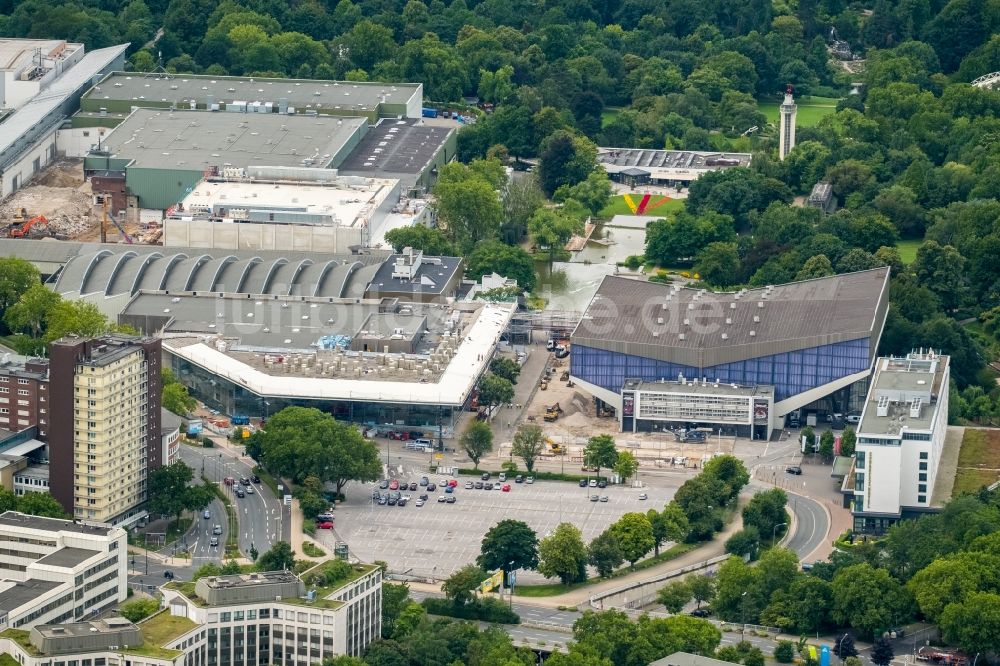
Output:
x=639 y=166
x=666 y=357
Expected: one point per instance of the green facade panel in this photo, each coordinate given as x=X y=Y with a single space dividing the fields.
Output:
x=161 y=188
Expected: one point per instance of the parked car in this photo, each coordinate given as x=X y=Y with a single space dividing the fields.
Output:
x=793 y=469
x=383 y=500
x=530 y=479
x=643 y=496
x=394 y=485
x=602 y=484
x=325 y=525
x=594 y=498
x=415 y=434
x=402 y=501
x=420 y=502
x=383 y=484
x=485 y=476
x=431 y=487
x=442 y=498
x=413 y=487
x=518 y=479
x=469 y=485
x=700 y=612
x=488 y=485
x=506 y=488
x=593 y=483
x=479 y=485
x=503 y=476
x=583 y=483
x=392 y=501
x=449 y=489
x=324 y=517
x=424 y=480
x=604 y=498
x=854 y=418
x=452 y=483
x=450 y=499
x=423 y=497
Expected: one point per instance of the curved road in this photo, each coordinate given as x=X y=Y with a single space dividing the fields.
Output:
x=811 y=525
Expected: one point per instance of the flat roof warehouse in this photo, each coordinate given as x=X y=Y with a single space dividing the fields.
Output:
x=195 y=140
x=329 y=96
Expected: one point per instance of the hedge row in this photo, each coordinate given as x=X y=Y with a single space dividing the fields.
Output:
x=483 y=610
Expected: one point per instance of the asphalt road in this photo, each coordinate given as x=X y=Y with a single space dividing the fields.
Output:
x=262 y=518
x=811 y=525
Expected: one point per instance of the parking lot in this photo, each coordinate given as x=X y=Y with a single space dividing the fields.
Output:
x=436 y=539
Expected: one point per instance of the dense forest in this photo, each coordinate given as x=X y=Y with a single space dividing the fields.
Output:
x=914 y=159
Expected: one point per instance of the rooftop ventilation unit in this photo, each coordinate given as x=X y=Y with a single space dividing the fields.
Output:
x=882 y=407
x=915 y=408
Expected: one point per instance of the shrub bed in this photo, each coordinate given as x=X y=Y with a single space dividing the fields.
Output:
x=483 y=610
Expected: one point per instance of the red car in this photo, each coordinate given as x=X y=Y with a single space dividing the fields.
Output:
x=401 y=436
x=394 y=485
x=452 y=483
x=325 y=525
x=506 y=488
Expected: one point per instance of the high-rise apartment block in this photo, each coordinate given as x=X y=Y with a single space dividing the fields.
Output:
x=24 y=394
x=106 y=393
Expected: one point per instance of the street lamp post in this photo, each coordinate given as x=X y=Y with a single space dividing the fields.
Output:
x=839 y=644
x=510 y=578
x=774 y=531
x=743 y=610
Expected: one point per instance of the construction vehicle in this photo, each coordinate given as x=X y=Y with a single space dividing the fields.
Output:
x=22 y=230
x=556 y=449
x=108 y=215
x=552 y=412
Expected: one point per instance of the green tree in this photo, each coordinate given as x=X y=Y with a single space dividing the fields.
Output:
x=810 y=437
x=170 y=492
x=459 y=587
x=848 y=441
x=674 y=595
x=468 y=206
x=563 y=555
x=528 y=444
x=550 y=228
x=508 y=261
x=942 y=270
x=300 y=442
x=735 y=578
x=719 y=264
x=745 y=543
x=17 y=276
x=77 y=317
x=702 y=588
x=973 y=623
x=626 y=466
x=520 y=199
x=565 y=159
x=635 y=536
x=766 y=512
x=369 y=43
x=175 y=398
x=869 y=599
x=433 y=242
x=594 y=193
x=495 y=391
x=600 y=452
x=815 y=267
x=953 y=579
x=508 y=545
x=670 y=524
x=278 y=558
x=343 y=660
x=30 y=312
x=477 y=441
x=395 y=597
x=605 y=553
x=507 y=368
x=882 y=653
x=138 y=609
x=784 y=652
x=826 y=445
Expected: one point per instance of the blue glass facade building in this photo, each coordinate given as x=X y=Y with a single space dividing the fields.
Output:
x=790 y=373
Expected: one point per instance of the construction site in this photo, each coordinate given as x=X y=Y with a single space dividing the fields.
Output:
x=59 y=204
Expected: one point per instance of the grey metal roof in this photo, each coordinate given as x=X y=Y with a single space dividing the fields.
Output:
x=112 y=270
x=169 y=421
x=23 y=520
x=197 y=140
x=669 y=159
x=396 y=147
x=68 y=557
x=701 y=329
x=332 y=96
x=19 y=130
x=22 y=593
x=439 y=275
x=688 y=659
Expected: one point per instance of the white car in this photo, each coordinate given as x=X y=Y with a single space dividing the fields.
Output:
x=530 y=479
x=854 y=418
x=643 y=496
x=503 y=476
x=248 y=490
x=593 y=483
x=420 y=502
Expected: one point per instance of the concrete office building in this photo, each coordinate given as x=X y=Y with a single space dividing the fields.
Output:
x=270 y=617
x=784 y=347
x=900 y=440
x=786 y=126
x=411 y=276
x=54 y=571
x=108 y=390
x=638 y=166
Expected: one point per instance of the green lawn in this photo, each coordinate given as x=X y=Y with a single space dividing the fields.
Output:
x=978 y=460
x=619 y=207
x=811 y=109
x=608 y=114
x=908 y=250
